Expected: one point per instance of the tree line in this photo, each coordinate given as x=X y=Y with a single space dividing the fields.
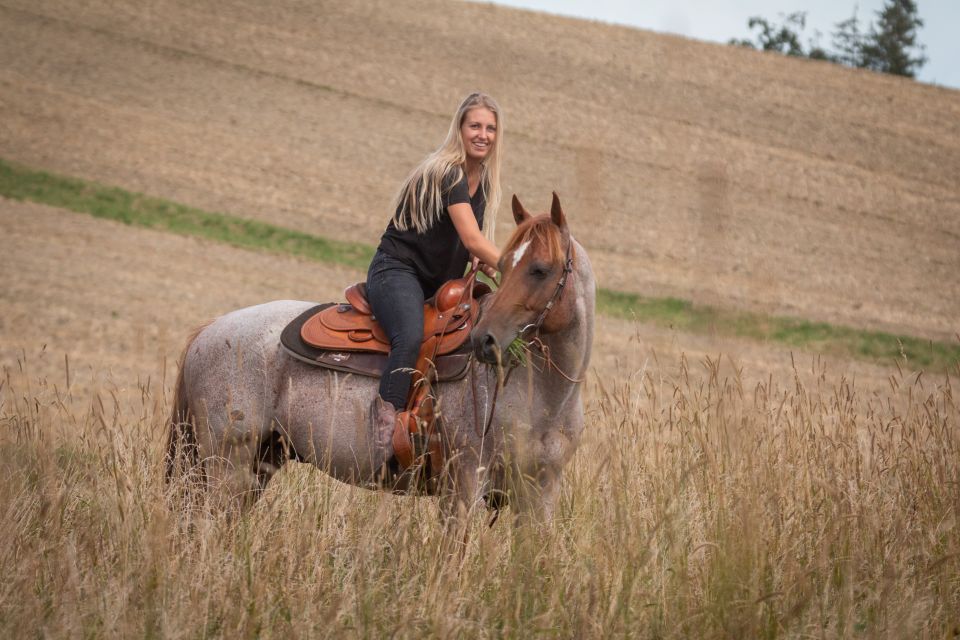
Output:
x=889 y=45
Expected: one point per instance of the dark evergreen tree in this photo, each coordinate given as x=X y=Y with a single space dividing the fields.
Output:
x=848 y=42
x=891 y=46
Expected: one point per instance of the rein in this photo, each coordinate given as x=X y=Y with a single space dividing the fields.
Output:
x=544 y=349
x=535 y=326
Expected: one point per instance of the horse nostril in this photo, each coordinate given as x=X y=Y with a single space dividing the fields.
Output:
x=489 y=348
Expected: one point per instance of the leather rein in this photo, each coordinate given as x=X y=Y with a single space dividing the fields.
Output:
x=533 y=329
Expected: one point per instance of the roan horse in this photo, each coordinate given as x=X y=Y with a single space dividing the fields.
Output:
x=243 y=407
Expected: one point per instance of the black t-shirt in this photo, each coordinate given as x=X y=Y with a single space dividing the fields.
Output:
x=437 y=254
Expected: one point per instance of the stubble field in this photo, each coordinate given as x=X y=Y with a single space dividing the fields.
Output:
x=726 y=487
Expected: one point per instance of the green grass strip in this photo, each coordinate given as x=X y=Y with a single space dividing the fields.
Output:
x=111 y=203
x=820 y=337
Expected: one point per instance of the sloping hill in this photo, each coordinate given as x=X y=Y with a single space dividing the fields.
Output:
x=689 y=169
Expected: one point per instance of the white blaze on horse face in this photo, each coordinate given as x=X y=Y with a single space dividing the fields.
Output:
x=518 y=254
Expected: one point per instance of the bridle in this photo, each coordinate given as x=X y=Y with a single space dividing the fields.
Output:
x=567 y=270
x=468 y=293
x=544 y=349
x=533 y=330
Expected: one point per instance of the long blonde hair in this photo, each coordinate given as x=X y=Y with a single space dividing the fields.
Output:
x=419 y=203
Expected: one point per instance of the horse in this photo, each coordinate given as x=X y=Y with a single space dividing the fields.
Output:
x=243 y=407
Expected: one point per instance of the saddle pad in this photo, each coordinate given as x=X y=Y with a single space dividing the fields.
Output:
x=452 y=366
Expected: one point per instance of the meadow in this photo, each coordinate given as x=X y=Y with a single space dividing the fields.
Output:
x=697 y=506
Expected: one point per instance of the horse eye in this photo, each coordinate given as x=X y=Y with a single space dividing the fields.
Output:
x=539 y=271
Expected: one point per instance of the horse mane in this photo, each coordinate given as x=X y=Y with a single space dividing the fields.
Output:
x=538 y=230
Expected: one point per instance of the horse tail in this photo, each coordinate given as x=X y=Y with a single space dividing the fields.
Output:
x=182 y=433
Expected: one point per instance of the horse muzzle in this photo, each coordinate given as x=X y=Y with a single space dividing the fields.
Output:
x=486 y=347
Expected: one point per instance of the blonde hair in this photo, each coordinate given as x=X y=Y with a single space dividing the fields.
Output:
x=419 y=203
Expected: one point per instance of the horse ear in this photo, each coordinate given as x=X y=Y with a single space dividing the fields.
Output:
x=556 y=212
x=519 y=213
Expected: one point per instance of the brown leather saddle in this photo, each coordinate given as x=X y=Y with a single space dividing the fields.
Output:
x=347 y=337
x=447 y=319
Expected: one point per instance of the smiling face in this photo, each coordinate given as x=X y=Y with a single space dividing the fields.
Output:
x=479 y=133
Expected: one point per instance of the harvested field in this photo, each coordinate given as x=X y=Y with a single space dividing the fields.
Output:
x=121 y=300
x=725 y=488
x=750 y=181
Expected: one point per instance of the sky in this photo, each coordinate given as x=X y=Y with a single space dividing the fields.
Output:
x=720 y=20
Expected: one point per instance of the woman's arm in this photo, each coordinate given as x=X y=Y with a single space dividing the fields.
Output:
x=471 y=236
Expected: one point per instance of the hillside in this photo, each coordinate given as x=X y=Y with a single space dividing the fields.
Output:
x=740 y=475
x=688 y=169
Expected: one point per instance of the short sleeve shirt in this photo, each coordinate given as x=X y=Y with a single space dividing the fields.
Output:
x=437 y=254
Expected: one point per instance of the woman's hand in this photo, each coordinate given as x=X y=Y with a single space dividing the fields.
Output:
x=485 y=269
x=489 y=271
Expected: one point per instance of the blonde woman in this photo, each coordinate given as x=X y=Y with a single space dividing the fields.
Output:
x=435 y=231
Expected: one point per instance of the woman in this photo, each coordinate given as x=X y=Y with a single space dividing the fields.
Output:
x=436 y=228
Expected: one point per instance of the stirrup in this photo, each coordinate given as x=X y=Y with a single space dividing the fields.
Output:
x=402 y=437
x=418 y=440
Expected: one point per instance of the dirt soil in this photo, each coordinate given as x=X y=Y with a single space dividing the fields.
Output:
x=119 y=301
x=695 y=170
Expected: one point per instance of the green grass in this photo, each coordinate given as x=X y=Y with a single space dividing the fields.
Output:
x=795 y=332
x=111 y=203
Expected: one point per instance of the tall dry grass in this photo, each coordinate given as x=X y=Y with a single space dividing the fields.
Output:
x=697 y=506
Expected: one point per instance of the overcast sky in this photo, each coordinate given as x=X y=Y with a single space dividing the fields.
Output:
x=720 y=20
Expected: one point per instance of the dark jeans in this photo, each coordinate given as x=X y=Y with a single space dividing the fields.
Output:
x=396 y=297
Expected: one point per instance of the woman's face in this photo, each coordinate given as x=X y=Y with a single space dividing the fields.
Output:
x=479 y=132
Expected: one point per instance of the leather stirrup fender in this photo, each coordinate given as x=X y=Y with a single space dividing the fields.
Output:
x=402 y=442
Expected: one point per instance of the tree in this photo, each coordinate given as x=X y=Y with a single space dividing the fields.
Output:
x=891 y=46
x=848 y=42
x=817 y=52
x=782 y=38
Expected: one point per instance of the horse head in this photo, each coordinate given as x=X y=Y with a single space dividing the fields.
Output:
x=534 y=294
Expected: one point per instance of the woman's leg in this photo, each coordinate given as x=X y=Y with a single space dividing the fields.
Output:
x=396 y=298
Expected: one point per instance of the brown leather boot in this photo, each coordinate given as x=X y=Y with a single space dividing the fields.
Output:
x=383 y=417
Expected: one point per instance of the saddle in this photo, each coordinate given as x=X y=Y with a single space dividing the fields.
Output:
x=347 y=337
x=447 y=319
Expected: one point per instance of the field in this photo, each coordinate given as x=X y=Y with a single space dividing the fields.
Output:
x=729 y=486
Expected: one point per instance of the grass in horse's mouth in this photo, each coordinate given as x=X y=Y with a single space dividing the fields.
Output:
x=518 y=351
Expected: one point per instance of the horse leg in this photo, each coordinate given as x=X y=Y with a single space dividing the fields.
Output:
x=534 y=495
x=231 y=463
x=459 y=497
x=275 y=449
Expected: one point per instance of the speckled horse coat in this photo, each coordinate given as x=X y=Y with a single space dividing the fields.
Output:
x=245 y=407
